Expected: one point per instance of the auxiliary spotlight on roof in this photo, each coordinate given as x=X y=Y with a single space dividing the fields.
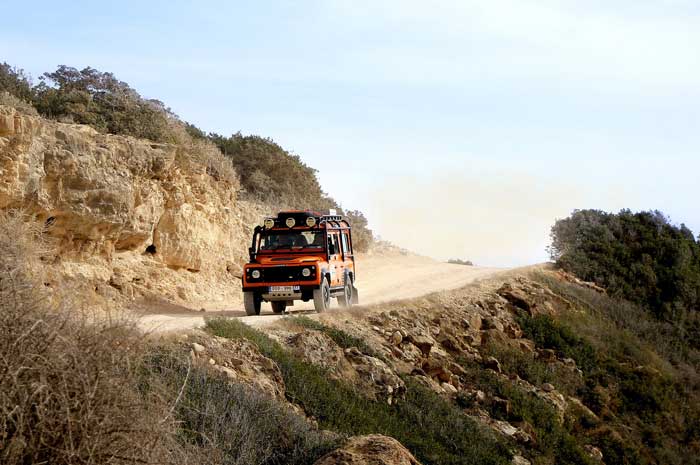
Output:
x=269 y=223
x=290 y=222
x=311 y=221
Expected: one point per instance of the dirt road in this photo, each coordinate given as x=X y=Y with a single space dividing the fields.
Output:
x=379 y=279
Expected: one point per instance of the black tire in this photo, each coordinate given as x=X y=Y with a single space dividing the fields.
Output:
x=279 y=306
x=252 y=303
x=345 y=300
x=322 y=297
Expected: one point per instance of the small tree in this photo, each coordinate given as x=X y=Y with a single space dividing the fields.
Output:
x=15 y=82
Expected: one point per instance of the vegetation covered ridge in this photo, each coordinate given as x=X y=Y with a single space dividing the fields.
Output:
x=267 y=172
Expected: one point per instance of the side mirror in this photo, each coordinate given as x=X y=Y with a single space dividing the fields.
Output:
x=251 y=252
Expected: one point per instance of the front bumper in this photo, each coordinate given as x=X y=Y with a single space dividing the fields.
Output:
x=273 y=290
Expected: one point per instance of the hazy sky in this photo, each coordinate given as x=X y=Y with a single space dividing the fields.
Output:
x=462 y=128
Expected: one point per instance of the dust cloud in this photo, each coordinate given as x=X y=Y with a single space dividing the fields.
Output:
x=502 y=220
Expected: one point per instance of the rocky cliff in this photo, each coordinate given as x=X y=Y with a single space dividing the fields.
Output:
x=131 y=218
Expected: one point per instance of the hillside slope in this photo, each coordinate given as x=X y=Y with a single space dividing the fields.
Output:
x=528 y=366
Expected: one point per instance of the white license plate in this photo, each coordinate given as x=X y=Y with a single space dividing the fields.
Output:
x=283 y=288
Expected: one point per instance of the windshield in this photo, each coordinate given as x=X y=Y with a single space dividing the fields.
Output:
x=292 y=240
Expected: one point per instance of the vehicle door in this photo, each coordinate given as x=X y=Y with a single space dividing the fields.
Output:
x=348 y=257
x=335 y=262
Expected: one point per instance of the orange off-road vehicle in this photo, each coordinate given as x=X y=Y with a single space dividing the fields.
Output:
x=300 y=255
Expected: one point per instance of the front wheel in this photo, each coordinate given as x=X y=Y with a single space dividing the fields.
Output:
x=252 y=303
x=279 y=307
x=322 y=297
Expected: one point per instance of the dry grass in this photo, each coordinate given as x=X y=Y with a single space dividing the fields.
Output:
x=18 y=104
x=69 y=387
x=204 y=154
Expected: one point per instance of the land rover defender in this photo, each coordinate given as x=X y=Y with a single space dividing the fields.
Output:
x=300 y=255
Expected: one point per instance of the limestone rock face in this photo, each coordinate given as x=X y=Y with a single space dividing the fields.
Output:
x=370 y=450
x=115 y=203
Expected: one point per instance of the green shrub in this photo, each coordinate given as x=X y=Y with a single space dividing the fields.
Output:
x=362 y=236
x=340 y=337
x=549 y=334
x=436 y=431
x=641 y=257
x=271 y=174
x=15 y=82
x=537 y=372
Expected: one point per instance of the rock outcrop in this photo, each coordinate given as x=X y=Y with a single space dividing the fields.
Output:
x=374 y=377
x=238 y=359
x=130 y=217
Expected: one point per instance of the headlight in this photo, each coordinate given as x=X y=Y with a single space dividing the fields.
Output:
x=306 y=272
x=255 y=274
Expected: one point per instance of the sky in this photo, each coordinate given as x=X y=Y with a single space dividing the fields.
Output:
x=463 y=129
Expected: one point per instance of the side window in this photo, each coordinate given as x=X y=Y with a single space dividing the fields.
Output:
x=333 y=243
x=346 y=244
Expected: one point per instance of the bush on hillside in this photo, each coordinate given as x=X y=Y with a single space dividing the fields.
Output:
x=15 y=82
x=271 y=174
x=340 y=337
x=640 y=257
x=457 y=261
x=362 y=236
x=89 y=96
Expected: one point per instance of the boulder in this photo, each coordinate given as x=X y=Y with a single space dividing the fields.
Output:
x=516 y=297
x=424 y=343
x=519 y=460
x=369 y=450
x=493 y=323
x=492 y=363
x=594 y=452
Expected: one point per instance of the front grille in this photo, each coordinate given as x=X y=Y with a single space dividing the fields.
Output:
x=282 y=274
